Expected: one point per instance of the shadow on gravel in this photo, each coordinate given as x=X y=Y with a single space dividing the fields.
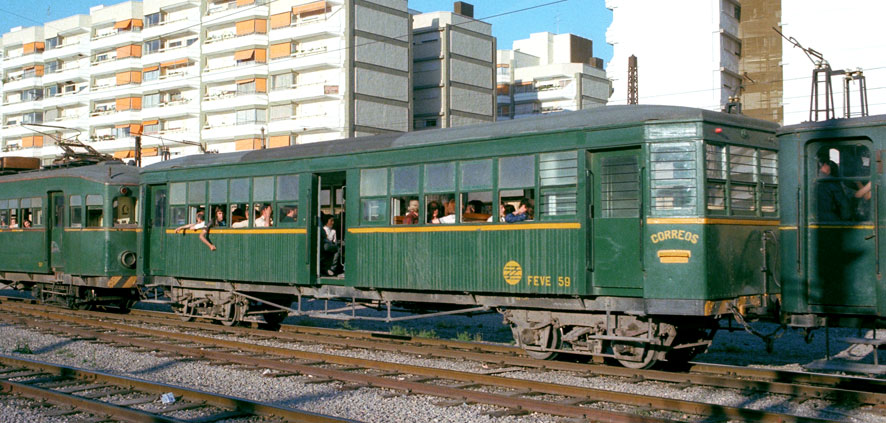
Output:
x=169 y=364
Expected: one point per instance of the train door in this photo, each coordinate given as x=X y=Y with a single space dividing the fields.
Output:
x=841 y=214
x=56 y=224
x=616 y=221
x=330 y=222
x=155 y=228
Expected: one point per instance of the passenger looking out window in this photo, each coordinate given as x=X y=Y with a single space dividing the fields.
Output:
x=411 y=216
x=435 y=212
x=219 y=219
x=264 y=218
x=524 y=212
x=201 y=226
x=448 y=211
x=290 y=214
x=240 y=216
x=26 y=224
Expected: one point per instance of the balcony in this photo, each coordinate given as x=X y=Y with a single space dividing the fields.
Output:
x=233 y=131
x=310 y=27
x=22 y=106
x=321 y=122
x=111 y=117
x=67 y=99
x=551 y=93
x=21 y=61
x=176 y=78
x=115 y=40
x=70 y=73
x=307 y=59
x=234 y=72
x=171 y=109
x=229 y=12
x=112 y=65
x=307 y=92
x=169 y=27
x=16 y=131
x=23 y=82
x=234 y=42
x=230 y=100
x=171 y=54
x=67 y=50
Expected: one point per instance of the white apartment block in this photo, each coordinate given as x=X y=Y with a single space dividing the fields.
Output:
x=687 y=55
x=229 y=74
x=549 y=73
x=453 y=65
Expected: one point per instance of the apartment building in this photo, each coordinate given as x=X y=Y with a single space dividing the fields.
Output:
x=549 y=73
x=454 y=60
x=221 y=75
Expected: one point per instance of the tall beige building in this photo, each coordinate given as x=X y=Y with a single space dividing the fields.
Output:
x=228 y=74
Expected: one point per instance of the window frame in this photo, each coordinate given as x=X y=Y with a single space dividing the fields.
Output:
x=730 y=184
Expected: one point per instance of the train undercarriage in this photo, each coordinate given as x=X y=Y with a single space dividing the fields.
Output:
x=77 y=297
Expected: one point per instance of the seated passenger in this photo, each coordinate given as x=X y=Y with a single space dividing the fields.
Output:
x=411 y=216
x=503 y=210
x=449 y=212
x=12 y=223
x=330 y=262
x=239 y=219
x=524 y=212
x=264 y=220
x=291 y=215
x=26 y=224
x=435 y=211
x=200 y=224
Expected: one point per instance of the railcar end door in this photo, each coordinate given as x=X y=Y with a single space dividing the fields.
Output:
x=616 y=229
x=56 y=224
x=841 y=214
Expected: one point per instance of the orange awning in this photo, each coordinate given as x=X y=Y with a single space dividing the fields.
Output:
x=281 y=20
x=122 y=125
x=261 y=55
x=246 y=27
x=133 y=50
x=281 y=50
x=244 y=55
x=124 y=24
x=248 y=144
x=136 y=103
x=137 y=23
x=148 y=152
x=123 y=78
x=34 y=47
x=261 y=85
x=245 y=81
x=174 y=63
x=150 y=122
x=38 y=70
x=125 y=154
x=32 y=141
x=151 y=68
x=278 y=141
x=123 y=104
x=314 y=7
x=244 y=2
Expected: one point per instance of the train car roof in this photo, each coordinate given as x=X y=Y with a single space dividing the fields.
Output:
x=876 y=120
x=110 y=172
x=598 y=117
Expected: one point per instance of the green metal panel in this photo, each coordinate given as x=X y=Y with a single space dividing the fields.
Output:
x=527 y=261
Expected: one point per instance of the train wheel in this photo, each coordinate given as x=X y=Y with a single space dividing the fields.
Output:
x=545 y=337
x=273 y=320
x=184 y=312
x=634 y=355
x=232 y=314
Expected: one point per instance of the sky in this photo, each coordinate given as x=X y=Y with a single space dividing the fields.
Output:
x=586 y=18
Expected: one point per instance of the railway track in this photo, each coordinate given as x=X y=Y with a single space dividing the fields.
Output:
x=95 y=396
x=513 y=395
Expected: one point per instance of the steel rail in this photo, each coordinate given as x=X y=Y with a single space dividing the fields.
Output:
x=237 y=407
x=579 y=393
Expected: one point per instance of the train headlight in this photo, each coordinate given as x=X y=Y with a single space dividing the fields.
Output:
x=128 y=259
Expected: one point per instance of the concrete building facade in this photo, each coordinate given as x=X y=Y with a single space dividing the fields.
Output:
x=454 y=62
x=229 y=74
x=549 y=73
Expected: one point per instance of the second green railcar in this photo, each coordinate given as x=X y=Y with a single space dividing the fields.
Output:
x=649 y=224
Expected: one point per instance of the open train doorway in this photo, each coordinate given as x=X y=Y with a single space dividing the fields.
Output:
x=330 y=217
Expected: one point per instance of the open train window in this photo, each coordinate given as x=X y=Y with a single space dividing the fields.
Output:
x=405 y=205
x=178 y=201
x=238 y=195
x=32 y=212
x=263 y=195
x=439 y=188
x=125 y=211
x=516 y=182
x=13 y=214
x=94 y=211
x=4 y=214
x=196 y=200
x=217 y=214
x=287 y=200
x=840 y=179
x=76 y=202
x=475 y=183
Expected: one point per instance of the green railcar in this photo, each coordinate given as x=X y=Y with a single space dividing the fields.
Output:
x=69 y=234
x=832 y=254
x=649 y=223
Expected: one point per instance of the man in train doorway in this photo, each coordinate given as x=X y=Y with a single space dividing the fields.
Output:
x=831 y=202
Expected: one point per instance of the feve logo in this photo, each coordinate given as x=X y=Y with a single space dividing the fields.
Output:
x=512 y=272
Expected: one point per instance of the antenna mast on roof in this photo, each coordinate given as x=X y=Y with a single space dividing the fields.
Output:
x=633 y=81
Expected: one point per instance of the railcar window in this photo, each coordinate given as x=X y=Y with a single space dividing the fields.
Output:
x=178 y=199
x=740 y=180
x=672 y=178
x=125 y=211
x=4 y=213
x=287 y=199
x=239 y=198
x=32 y=211
x=841 y=183
x=475 y=177
x=374 y=183
x=440 y=177
x=516 y=172
x=196 y=200
x=159 y=208
x=263 y=195
x=178 y=193
x=476 y=207
x=558 y=177
x=94 y=211
x=14 y=221
x=405 y=206
x=441 y=206
x=620 y=186
x=218 y=207
x=76 y=202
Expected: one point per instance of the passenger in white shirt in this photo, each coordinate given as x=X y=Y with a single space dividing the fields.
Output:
x=200 y=224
